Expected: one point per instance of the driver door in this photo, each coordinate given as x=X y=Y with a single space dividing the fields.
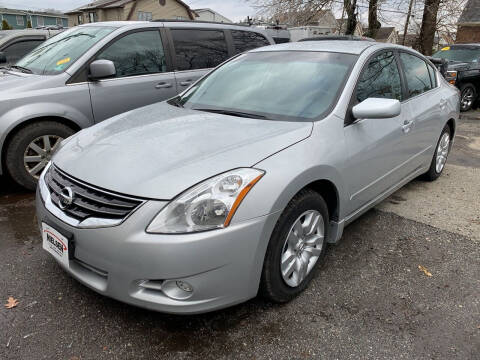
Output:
x=142 y=77
x=375 y=145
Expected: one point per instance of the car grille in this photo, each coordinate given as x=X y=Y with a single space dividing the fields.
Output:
x=87 y=200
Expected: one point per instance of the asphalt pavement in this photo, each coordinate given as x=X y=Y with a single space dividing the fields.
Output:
x=369 y=300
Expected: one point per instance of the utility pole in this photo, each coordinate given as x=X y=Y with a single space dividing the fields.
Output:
x=407 y=21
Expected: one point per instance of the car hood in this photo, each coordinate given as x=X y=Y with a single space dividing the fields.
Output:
x=12 y=81
x=160 y=150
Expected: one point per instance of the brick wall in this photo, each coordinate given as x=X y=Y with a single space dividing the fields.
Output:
x=468 y=34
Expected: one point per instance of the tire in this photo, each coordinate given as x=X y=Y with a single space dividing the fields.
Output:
x=18 y=148
x=433 y=172
x=467 y=97
x=273 y=284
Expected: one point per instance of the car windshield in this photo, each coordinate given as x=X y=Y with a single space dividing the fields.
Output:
x=59 y=52
x=278 y=85
x=464 y=54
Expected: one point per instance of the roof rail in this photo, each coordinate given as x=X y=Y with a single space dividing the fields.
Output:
x=197 y=22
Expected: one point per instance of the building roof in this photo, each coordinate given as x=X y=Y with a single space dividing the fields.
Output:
x=384 y=33
x=110 y=4
x=197 y=11
x=471 y=13
x=30 y=12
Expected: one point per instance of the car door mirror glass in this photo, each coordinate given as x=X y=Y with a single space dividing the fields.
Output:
x=377 y=108
x=3 y=58
x=101 y=69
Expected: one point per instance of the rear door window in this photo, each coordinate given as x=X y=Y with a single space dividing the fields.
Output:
x=138 y=53
x=199 y=49
x=18 y=50
x=380 y=79
x=247 y=40
x=416 y=74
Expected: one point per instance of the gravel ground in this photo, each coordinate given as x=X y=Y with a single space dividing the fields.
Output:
x=369 y=300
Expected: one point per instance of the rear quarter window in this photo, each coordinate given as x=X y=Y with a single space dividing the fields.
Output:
x=199 y=49
x=247 y=40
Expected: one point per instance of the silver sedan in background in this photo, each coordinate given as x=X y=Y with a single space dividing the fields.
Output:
x=236 y=186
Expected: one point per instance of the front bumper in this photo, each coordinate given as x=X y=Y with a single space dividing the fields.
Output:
x=223 y=266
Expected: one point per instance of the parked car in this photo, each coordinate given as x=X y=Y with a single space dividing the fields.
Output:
x=92 y=72
x=463 y=71
x=15 y=44
x=237 y=185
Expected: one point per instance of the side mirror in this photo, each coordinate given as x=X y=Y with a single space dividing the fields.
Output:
x=101 y=69
x=3 y=58
x=377 y=108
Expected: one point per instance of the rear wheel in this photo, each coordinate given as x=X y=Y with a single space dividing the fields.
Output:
x=467 y=97
x=296 y=248
x=31 y=148
x=440 y=157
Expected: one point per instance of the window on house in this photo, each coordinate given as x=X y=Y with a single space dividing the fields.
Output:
x=40 y=21
x=145 y=16
x=80 y=19
x=20 y=21
x=59 y=21
x=92 y=17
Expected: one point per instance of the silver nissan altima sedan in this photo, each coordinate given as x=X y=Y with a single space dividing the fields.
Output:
x=236 y=186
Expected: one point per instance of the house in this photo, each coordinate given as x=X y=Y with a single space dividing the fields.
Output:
x=468 y=30
x=210 y=15
x=323 y=23
x=114 y=10
x=387 y=35
x=342 y=28
x=18 y=19
x=413 y=41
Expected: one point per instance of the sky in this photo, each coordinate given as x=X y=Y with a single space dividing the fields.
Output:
x=235 y=10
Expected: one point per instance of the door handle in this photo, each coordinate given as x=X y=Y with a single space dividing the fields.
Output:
x=186 y=83
x=407 y=125
x=163 y=85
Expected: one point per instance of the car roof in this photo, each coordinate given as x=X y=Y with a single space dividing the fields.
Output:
x=175 y=23
x=464 y=45
x=338 y=46
x=7 y=35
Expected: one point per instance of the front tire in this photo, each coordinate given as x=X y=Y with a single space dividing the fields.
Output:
x=296 y=248
x=467 y=97
x=441 y=154
x=31 y=148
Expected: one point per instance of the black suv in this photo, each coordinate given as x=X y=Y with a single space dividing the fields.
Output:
x=462 y=69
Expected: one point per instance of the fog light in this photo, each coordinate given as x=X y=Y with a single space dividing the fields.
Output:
x=184 y=286
x=177 y=290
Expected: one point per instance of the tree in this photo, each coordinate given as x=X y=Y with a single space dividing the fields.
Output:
x=429 y=25
x=5 y=25
x=29 y=24
x=373 y=23
x=350 y=7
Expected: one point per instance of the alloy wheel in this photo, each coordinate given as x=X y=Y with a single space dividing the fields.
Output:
x=39 y=152
x=442 y=152
x=302 y=247
x=467 y=98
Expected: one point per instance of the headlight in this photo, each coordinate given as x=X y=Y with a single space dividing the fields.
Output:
x=208 y=205
x=451 y=77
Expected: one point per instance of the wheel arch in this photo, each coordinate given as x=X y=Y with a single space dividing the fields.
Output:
x=17 y=127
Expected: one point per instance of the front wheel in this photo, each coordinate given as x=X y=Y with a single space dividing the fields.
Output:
x=296 y=248
x=440 y=157
x=467 y=97
x=31 y=148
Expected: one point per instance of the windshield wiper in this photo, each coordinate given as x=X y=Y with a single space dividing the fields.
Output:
x=21 y=68
x=234 y=113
